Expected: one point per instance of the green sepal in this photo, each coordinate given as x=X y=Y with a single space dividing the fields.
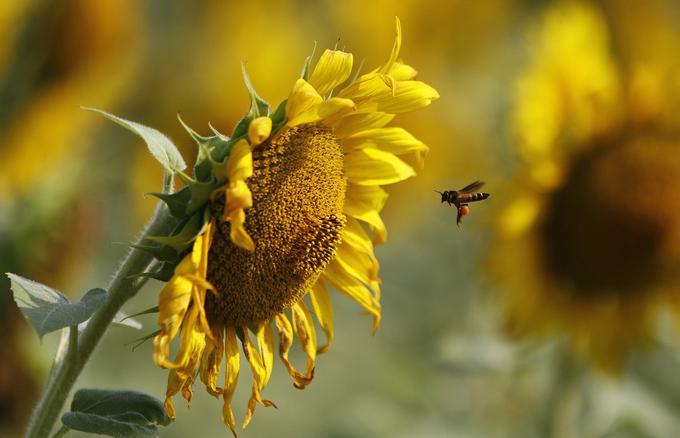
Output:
x=163 y=253
x=139 y=341
x=177 y=202
x=187 y=234
x=200 y=194
x=304 y=74
x=206 y=145
x=279 y=117
x=164 y=274
x=153 y=309
x=258 y=106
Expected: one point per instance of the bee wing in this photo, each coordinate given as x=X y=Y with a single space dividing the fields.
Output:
x=472 y=187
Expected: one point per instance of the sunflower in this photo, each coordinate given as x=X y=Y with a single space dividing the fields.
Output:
x=588 y=249
x=290 y=208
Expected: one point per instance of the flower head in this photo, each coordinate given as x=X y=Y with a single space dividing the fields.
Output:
x=589 y=246
x=293 y=209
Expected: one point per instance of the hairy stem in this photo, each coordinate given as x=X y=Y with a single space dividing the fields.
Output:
x=123 y=286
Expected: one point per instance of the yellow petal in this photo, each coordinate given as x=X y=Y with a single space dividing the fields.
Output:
x=230 y=377
x=402 y=72
x=365 y=203
x=394 y=140
x=333 y=68
x=259 y=130
x=357 y=122
x=240 y=162
x=395 y=49
x=353 y=288
x=406 y=96
x=371 y=166
x=302 y=98
x=367 y=87
x=238 y=233
x=329 y=111
x=360 y=264
x=321 y=302
x=238 y=196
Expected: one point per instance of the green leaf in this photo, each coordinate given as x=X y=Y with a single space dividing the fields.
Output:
x=177 y=202
x=160 y=146
x=48 y=310
x=125 y=414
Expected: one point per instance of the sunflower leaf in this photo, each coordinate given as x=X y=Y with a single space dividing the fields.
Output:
x=48 y=310
x=160 y=146
x=126 y=414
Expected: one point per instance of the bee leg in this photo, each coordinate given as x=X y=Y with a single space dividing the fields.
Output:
x=463 y=210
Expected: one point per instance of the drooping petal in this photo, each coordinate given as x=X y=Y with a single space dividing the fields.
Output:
x=230 y=377
x=321 y=302
x=259 y=377
x=265 y=343
x=372 y=166
x=285 y=330
x=333 y=68
x=303 y=326
x=211 y=363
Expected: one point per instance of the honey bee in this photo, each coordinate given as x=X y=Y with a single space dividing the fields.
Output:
x=461 y=198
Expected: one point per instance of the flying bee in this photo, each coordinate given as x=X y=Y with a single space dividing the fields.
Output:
x=461 y=198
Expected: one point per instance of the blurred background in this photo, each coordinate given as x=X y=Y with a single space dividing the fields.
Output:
x=549 y=313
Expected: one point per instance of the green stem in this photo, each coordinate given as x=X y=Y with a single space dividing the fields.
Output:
x=61 y=432
x=124 y=286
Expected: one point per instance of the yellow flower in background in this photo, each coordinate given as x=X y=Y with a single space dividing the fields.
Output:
x=590 y=247
x=291 y=222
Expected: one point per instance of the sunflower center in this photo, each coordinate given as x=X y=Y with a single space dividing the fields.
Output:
x=613 y=227
x=298 y=188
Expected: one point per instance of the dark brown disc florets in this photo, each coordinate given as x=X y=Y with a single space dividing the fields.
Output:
x=298 y=189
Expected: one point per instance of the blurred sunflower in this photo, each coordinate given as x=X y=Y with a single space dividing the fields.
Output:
x=590 y=246
x=286 y=222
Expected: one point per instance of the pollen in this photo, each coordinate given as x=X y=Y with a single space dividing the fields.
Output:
x=614 y=225
x=298 y=189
